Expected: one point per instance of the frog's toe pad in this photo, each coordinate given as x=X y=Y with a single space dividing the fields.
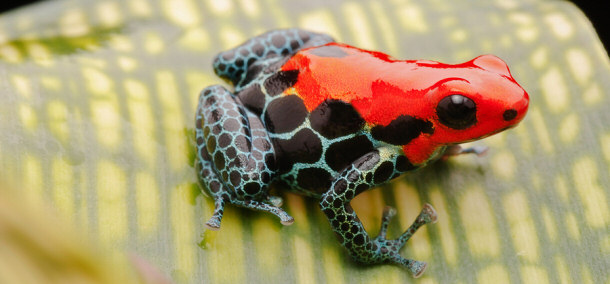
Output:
x=212 y=226
x=428 y=214
x=276 y=201
x=418 y=268
x=287 y=221
x=388 y=212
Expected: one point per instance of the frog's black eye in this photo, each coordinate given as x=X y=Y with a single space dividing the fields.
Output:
x=457 y=111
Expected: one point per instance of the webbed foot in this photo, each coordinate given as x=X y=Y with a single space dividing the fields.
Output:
x=388 y=249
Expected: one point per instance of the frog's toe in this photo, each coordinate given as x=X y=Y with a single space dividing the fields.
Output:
x=428 y=214
x=388 y=213
x=477 y=150
x=214 y=222
x=417 y=268
x=388 y=252
x=276 y=201
x=213 y=226
x=458 y=150
x=287 y=221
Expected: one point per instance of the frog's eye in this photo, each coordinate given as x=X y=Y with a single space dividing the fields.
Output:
x=457 y=111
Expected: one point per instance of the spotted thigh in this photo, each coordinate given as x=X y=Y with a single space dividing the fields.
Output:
x=235 y=157
x=236 y=144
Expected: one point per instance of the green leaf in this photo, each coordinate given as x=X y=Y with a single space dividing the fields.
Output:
x=97 y=121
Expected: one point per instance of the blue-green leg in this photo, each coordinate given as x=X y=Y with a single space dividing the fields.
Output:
x=252 y=56
x=368 y=171
x=210 y=181
x=235 y=156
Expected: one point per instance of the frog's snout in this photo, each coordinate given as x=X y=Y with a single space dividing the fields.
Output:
x=517 y=110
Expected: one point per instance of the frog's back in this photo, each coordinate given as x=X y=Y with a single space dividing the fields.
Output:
x=316 y=133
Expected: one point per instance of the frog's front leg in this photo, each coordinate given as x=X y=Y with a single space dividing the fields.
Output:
x=366 y=172
x=456 y=150
x=235 y=157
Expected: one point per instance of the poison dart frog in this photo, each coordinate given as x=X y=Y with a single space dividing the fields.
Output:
x=330 y=121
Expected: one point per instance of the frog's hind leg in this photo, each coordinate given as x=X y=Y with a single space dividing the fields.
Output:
x=364 y=173
x=214 y=185
x=236 y=155
x=241 y=64
x=215 y=188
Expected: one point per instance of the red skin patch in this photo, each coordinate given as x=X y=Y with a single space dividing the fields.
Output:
x=381 y=88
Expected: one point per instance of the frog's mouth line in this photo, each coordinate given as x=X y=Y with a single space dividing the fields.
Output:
x=487 y=135
x=494 y=132
x=502 y=129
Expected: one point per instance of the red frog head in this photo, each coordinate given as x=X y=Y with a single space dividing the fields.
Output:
x=470 y=101
x=476 y=99
x=417 y=104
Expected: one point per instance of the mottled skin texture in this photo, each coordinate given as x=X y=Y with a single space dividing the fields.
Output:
x=330 y=121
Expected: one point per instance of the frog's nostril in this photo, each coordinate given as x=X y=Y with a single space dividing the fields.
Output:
x=509 y=114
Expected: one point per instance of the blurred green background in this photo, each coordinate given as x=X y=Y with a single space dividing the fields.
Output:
x=97 y=123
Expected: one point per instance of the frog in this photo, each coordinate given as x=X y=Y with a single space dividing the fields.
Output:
x=329 y=121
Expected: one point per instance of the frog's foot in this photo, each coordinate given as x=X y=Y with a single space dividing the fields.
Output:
x=214 y=222
x=455 y=150
x=285 y=219
x=388 y=249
